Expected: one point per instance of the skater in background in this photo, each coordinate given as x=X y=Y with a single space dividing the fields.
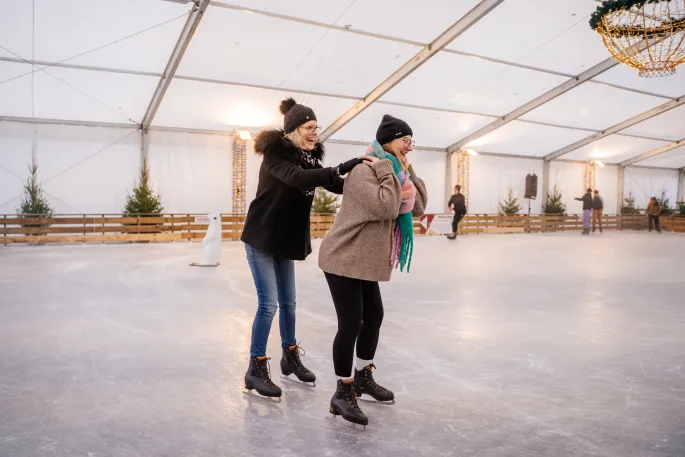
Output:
x=276 y=234
x=372 y=234
x=653 y=211
x=597 y=210
x=587 y=210
x=457 y=203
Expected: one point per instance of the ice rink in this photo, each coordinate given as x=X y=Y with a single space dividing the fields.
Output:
x=508 y=345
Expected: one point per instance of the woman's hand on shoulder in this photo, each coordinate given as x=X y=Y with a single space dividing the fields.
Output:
x=369 y=160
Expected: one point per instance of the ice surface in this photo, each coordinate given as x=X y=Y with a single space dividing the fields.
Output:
x=523 y=345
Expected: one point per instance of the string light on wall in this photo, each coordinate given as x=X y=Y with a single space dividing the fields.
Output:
x=590 y=174
x=240 y=140
x=463 y=170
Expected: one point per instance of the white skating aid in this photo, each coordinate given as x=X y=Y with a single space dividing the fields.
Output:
x=211 y=243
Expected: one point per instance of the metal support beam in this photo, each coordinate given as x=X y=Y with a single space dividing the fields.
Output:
x=652 y=153
x=144 y=146
x=347 y=29
x=680 y=194
x=36 y=120
x=463 y=24
x=175 y=60
x=617 y=128
x=298 y=91
x=619 y=189
x=541 y=100
x=545 y=182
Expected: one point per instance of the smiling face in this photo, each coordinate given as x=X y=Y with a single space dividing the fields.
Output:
x=400 y=147
x=309 y=135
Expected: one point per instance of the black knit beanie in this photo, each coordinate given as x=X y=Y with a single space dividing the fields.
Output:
x=295 y=115
x=392 y=128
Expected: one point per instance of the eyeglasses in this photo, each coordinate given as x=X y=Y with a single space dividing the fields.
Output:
x=408 y=142
x=312 y=128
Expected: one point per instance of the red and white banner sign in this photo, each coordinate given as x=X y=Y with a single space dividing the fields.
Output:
x=436 y=224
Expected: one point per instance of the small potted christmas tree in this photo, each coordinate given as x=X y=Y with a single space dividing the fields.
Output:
x=554 y=206
x=509 y=207
x=144 y=202
x=325 y=202
x=629 y=208
x=34 y=205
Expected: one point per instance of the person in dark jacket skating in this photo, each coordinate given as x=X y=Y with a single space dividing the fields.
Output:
x=276 y=233
x=458 y=204
x=587 y=210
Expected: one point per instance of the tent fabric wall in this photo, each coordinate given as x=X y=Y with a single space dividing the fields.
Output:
x=16 y=142
x=192 y=171
x=606 y=182
x=645 y=183
x=490 y=178
x=91 y=170
x=82 y=169
x=569 y=177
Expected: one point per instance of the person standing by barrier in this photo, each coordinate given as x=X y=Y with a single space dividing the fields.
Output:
x=587 y=210
x=653 y=211
x=458 y=204
x=597 y=210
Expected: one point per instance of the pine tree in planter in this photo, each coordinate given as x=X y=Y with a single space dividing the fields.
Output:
x=510 y=206
x=554 y=205
x=325 y=202
x=665 y=203
x=629 y=205
x=34 y=205
x=143 y=202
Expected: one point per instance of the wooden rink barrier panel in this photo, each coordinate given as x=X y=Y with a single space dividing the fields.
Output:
x=116 y=228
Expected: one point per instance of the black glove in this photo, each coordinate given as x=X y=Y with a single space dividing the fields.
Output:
x=346 y=167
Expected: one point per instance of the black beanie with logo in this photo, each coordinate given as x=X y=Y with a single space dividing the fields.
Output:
x=392 y=128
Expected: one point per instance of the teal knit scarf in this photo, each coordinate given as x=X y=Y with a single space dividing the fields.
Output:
x=403 y=227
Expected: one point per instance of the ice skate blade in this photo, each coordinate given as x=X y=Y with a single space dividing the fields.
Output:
x=249 y=393
x=346 y=424
x=377 y=402
x=297 y=382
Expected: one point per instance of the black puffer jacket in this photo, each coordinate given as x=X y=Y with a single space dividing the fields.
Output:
x=278 y=218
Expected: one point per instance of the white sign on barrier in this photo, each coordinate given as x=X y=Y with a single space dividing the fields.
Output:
x=202 y=219
x=436 y=224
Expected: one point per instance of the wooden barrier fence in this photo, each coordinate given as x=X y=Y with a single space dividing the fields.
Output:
x=106 y=228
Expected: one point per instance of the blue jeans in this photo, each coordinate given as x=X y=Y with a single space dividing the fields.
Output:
x=274 y=279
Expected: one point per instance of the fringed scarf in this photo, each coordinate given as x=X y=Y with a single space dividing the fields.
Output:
x=403 y=226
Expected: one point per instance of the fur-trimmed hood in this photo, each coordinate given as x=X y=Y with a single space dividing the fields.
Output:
x=273 y=141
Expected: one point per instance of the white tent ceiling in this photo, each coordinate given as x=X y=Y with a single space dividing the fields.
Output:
x=106 y=59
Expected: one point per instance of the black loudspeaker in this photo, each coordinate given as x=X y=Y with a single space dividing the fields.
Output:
x=531 y=186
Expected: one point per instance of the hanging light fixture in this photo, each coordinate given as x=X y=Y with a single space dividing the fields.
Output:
x=647 y=35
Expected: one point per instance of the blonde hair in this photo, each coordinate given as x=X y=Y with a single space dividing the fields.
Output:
x=295 y=138
x=388 y=149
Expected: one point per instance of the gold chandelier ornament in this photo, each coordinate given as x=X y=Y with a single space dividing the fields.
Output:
x=647 y=35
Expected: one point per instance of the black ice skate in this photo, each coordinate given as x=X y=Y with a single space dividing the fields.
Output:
x=257 y=378
x=291 y=363
x=452 y=236
x=365 y=384
x=344 y=403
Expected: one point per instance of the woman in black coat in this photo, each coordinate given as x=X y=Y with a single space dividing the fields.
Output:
x=276 y=234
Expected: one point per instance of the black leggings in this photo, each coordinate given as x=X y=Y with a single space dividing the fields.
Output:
x=359 y=308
